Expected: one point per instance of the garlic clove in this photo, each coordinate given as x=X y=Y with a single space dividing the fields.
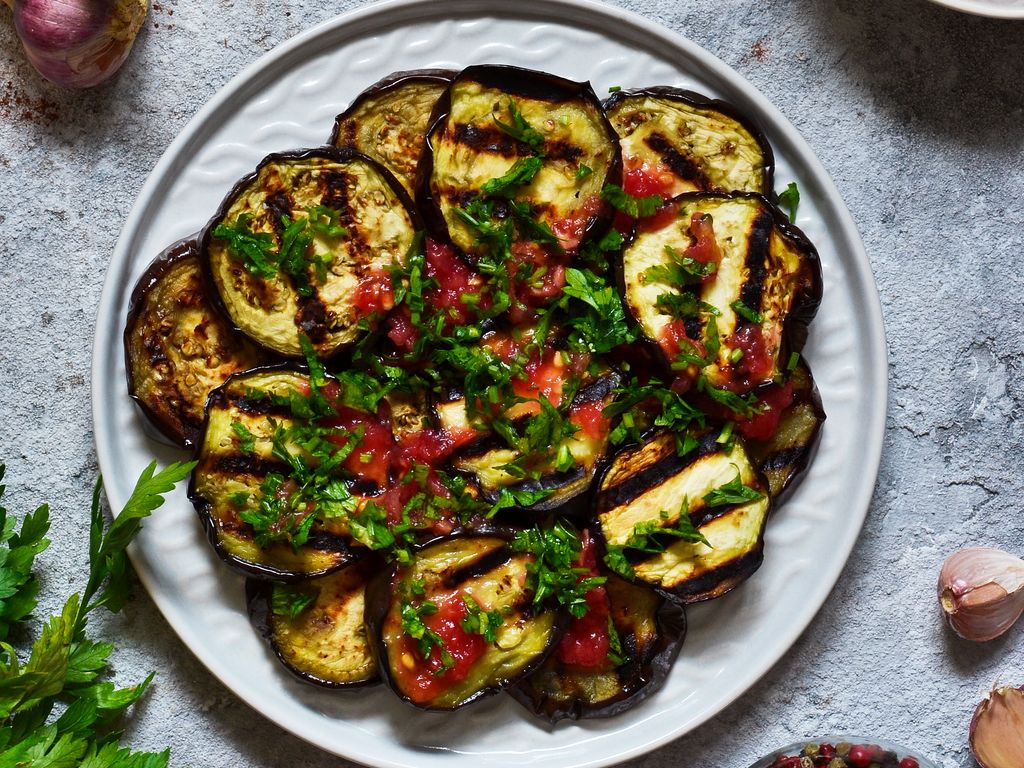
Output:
x=78 y=43
x=997 y=729
x=981 y=591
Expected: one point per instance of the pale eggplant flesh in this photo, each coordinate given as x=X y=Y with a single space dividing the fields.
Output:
x=648 y=488
x=446 y=582
x=305 y=247
x=566 y=132
x=649 y=632
x=690 y=143
x=178 y=347
x=389 y=120
x=315 y=627
x=747 y=313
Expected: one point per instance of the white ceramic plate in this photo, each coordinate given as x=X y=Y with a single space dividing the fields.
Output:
x=998 y=9
x=288 y=99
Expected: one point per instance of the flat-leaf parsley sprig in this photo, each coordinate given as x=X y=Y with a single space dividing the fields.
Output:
x=64 y=668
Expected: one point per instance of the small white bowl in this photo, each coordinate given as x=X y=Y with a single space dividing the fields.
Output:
x=998 y=9
x=795 y=749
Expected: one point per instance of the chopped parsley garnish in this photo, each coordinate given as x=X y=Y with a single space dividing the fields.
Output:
x=509 y=498
x=683 y=306
x=553 y=574
x=480 y=622
x=793 y=362
x=745 y=406
x=288 y=602
x=600 y=324
x=296 y=253
x=644 y=537
x=789 y=198
x=616 y=653
x=733 y=492
x=583 y=172
x=680 y=271
x=635 y=207
x=520 y=130
x=518 y=175
x=427 y=639
x=741 y=309
x=246 y=439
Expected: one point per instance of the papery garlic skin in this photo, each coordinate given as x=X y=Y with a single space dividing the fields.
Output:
x=981 y=591
x=997 y=730
x=78 y=43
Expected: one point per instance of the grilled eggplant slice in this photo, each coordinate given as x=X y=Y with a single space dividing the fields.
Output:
x=420 y=613
x=649 y=632
x=489 y=125
x=178 y=348
x=316 y=626
x=749 y=312
x=389 y=120
x=239 y=468
x=647 y=490
x=564 y=474
x=690 y=143
x=784 y=456
x=305 y=245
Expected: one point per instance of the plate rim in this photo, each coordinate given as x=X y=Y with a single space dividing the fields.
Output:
x=845 y=236
x=981 y=8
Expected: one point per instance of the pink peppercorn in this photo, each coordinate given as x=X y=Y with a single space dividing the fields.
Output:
x=909 y=762
x=860 y=756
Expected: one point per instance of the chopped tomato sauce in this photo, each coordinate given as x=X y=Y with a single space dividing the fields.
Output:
x=371 y=458
x=705 y=249
x=401 y=330
x=756 y=366
x=642 y=179
x=590 y=419
x=454 y=280
x=570 y=232
x=373 y=294
x=586 y=642
x=421 y=678
x=764 y=425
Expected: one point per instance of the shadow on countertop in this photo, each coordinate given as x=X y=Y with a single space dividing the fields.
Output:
x=934 y=69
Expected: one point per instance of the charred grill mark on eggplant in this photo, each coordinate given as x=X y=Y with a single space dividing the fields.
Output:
x=758 y=259
x=681 y=165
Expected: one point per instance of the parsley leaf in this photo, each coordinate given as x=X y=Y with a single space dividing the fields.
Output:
x=520 y=174
x=553 y=574
x=601 y=325
x=634 y=207
x=789 y=198
x=288 y=602
x=741 y=309
x=63 y=663
x=18 y=550
x=428 y=640
x=644 y=537
x=732 y=492
x=480 y=622
x=520 y=130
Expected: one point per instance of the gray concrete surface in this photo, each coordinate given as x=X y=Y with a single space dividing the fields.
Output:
x=918 y=114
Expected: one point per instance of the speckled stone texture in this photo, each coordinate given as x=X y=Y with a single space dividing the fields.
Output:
x=918 y=114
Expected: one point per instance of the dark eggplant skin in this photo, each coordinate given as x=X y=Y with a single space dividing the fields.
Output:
x=343 y=552
x=175 y=422
x=258 y=600
x=784 y=465
x=639 y=678
x=805 y=303
x=325 y=152
x=379 y=596
x=343 y=133
x=527 y=83
x=700 y=101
